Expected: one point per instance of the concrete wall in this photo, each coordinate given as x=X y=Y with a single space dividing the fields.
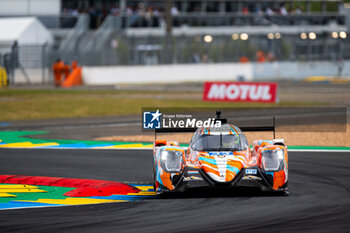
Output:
x=196 y=73
x=298 y=70
x=211 y=72
x=165 y=73
x=35 y=76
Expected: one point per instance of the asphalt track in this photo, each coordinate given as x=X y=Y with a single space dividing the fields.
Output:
x=319 y=199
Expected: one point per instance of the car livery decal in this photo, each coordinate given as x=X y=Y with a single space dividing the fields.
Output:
x=223 y=167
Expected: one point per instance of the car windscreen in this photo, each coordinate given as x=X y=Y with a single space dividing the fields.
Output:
x=225 y=142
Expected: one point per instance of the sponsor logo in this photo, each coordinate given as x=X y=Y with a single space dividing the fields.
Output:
x=220 y=154
x=157 y=120
x=251 y=171
x=192 y=172
x=250 y=177
x=243 y=92
x=190 y=123
x=192 y=178
x=151 y=120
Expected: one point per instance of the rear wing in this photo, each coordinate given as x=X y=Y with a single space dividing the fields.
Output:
x=244 y=129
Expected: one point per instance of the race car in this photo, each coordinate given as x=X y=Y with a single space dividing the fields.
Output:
x=220 y=157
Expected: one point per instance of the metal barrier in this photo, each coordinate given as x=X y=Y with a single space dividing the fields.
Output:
x=109 y=46
x=26 y=63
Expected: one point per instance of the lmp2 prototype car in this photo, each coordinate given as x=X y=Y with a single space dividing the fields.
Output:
x=220 y=157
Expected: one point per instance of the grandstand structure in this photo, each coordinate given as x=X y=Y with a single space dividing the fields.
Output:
x=132 y=32
x=154 y=32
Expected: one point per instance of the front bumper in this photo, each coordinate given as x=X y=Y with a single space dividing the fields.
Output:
x=247 y=177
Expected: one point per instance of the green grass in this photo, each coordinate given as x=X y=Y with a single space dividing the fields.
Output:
x=48 y=104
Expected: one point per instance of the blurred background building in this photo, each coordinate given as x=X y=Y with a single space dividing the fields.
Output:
x=130 y=32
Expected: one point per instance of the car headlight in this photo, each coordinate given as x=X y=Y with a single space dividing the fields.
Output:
x=171 y=160
x=272 y=159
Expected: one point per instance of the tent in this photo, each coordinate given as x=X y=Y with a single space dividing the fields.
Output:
x=23 y=42
x=26 y=31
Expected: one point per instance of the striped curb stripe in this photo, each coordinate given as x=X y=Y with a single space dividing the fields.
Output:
x=15 y=139
x=14 y=196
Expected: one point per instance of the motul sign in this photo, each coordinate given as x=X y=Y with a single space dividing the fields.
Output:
x=240 y=92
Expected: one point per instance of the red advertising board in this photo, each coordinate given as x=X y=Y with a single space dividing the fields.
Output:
x=240 y=92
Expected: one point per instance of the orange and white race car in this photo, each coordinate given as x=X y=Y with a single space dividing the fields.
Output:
x=220 y=157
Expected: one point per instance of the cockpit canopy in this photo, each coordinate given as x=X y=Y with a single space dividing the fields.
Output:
x=227 y=137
